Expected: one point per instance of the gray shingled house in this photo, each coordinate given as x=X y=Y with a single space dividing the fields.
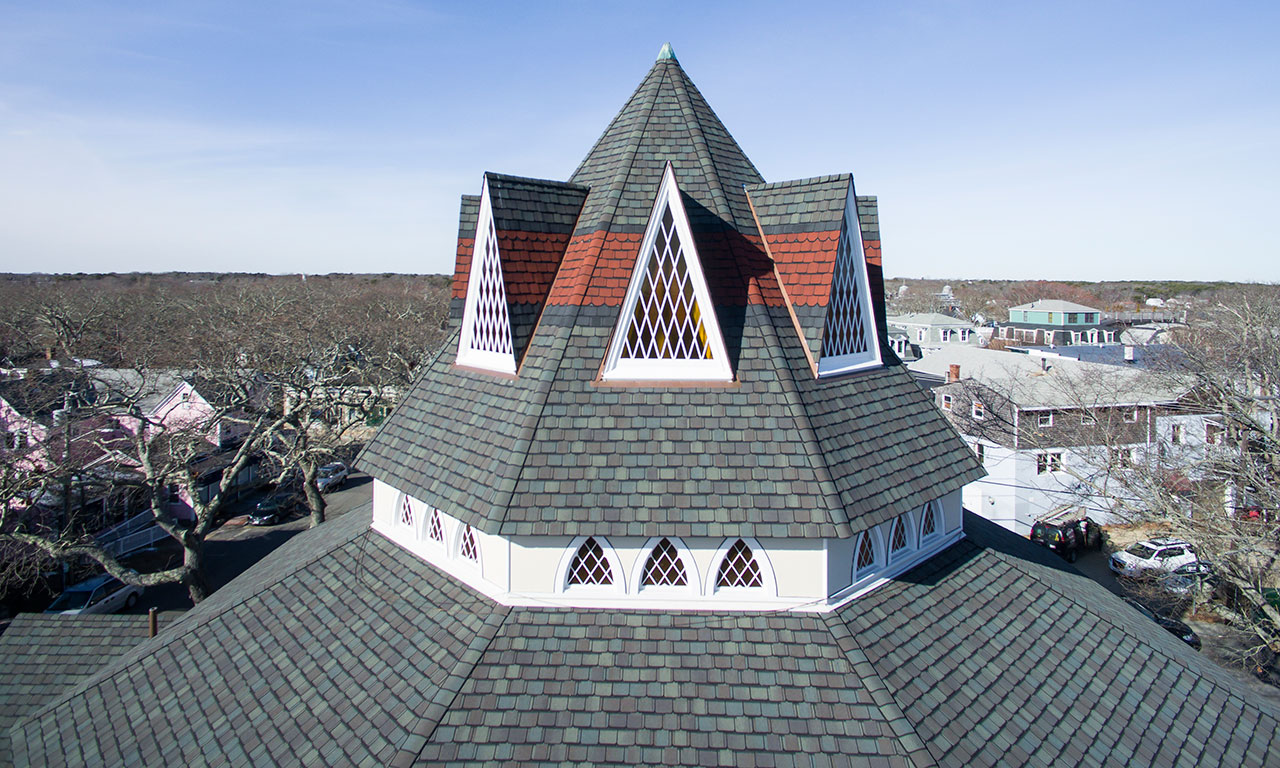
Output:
x=666 y=497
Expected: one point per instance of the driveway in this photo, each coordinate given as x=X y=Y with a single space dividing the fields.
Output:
x=233 y=547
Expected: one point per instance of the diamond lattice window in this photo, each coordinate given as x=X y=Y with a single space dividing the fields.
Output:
x=437 y=528
x=666 y=323
x=469 y=550
x=664 y=568
x=866 y=553
x=490 y=323
x=846 y=331
x=739 y=568
x=898 y=539
x=406 y=511
x=589 y=565
x=930 y=524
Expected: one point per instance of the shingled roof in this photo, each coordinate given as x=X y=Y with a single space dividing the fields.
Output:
x=779 y=453
x=342 y=648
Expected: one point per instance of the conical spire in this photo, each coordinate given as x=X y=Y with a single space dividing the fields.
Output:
x=665 y=120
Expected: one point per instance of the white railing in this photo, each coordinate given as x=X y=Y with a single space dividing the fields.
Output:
x=132 y=535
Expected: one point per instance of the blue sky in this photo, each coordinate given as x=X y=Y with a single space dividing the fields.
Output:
x=1005 y=140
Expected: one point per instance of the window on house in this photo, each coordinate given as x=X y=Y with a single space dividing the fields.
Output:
x=1051 y=317
x=739 y=568
x=1124 y=457
x=920 y=334
x=1044 y=420
x=485 y=341
x=437 y=527
x=866 y=554
x=898 y=539
x=980 y=451
x=1073 y=317
x=1212 y=433
x=1048 y=462
x=1175 y=434
x=979 y=411
x=946 y=334
x=946 y=402
x=468 y=548
x=664 y=568
x=1131 y=416
x=406 y=511
x=849 y=333
x=964 y=334
x=589 y=565
x=929 y=521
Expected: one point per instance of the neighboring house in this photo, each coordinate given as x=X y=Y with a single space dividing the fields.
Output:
x=1056 y=323
x=1050 y=429
x=927 y=331
x=665 y=498
x=1151 y=357
x=900 y=343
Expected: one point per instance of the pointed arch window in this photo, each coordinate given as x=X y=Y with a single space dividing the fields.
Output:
x=437 y=527
x=866 y=554
x=485 y=341
x=467 y=547
x=929 y=525
x=589 y=565
x=667 y=328
x=406 y=511
x=850 y=341
x=664 y=568
x=739 y=568
x=898 y=538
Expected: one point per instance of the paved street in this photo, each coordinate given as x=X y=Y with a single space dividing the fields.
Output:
x=231 y=549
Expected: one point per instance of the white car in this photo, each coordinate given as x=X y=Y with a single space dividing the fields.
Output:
x=1152 y=558
x=101 y=594
x=332 y=476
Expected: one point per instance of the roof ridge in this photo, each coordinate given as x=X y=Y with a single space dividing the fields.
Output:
x=917 y=748
x=534 y=180
x=406 y=756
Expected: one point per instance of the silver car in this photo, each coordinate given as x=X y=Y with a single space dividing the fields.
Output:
x=101 y=594
x=332 y=476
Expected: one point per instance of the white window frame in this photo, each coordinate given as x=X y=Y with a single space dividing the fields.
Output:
x=1044 y=419
x=1129 y=416
x=693 y=588
x=931 y=507
x=498 y=362
x=617 y=368
x=911 y=532
x=460 y=530
x=878 y=556
x=920 y=335
x=947 y=402
x=964 y=334
x=768 y=580
x=978 y=411
x=619 y=585
x=836 y=365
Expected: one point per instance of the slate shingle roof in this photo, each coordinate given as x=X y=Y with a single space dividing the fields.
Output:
x=552 y=452
x=343 y=648
x=44 y=655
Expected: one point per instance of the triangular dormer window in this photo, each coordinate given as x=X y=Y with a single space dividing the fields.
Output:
x=850 y=341
x=667 y=329
x=486 y=322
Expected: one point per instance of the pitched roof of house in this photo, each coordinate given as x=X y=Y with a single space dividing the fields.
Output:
x=1055 y=305
x=1058 y=382
x=777 y=453
x=929 y=318
x=46 y=655
x=344 y=648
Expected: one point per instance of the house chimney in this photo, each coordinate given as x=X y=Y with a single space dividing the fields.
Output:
x=953 y=373
x=1044 y=363
x=1130 y=354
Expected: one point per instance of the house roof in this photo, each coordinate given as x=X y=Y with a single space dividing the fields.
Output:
x=778 y=453
x=46 y=655
x=1055 y=305
x=344 y=648
x=930 y=319
x=1065 y=383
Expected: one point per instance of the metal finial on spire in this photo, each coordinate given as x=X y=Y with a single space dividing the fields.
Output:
x=667 y=52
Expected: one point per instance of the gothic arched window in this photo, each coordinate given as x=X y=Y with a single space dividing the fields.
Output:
x=739 y=568
x=664 y=568
x=589 y=565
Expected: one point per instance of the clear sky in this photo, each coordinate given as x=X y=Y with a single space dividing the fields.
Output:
x=1079 y=140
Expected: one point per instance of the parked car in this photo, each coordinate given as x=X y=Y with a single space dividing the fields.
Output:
x=1152 y=558
x=1176 y=628
x=101 y=594
x=275 y=507
x=1067 y=533
x=1185 y=578
x=332 y=476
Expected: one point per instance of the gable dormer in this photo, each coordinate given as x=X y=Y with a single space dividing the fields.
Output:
x=511 y=240
x=667 y=329
x=850 y=340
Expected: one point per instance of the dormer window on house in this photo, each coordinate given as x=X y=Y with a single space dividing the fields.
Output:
x=866 y=555
x=406 y=512
x=898 y=538
x=437 y=527
x=664 y=568
x=667 y=329
x=467 y=547
x=929 y=525
x=849 y=338
x=485 y=341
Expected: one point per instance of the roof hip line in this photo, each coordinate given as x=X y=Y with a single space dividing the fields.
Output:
x=703 y=151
